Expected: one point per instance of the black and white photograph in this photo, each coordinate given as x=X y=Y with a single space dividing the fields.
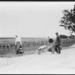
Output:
x=37 y=37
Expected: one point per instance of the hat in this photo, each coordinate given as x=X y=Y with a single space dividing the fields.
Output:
x=56 y=33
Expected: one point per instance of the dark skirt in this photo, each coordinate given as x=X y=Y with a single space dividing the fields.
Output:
x=18 y=45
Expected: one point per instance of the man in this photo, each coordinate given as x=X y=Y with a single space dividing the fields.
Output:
x=57 y=43
x=18 y=43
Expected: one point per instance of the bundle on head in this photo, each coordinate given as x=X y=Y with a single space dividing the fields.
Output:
x=50 y=40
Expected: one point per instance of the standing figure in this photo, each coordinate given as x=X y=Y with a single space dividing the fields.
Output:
x=18 y=44
x=57 y=43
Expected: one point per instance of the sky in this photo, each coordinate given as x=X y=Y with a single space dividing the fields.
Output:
x=32 y=19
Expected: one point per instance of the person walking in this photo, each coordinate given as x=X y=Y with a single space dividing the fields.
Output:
x=57 y=43
x=18 y=44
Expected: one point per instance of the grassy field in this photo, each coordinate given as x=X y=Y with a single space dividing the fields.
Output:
x=30 y=45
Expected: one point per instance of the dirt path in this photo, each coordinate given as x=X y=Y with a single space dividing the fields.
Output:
x=45 y=63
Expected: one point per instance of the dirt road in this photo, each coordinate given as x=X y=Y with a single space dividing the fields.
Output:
x=48 y=63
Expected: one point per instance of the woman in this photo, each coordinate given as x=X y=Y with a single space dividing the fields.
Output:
x=18 y=44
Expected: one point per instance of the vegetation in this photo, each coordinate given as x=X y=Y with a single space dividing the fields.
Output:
x=7 y=46
x=68 y=20
x=63 y=36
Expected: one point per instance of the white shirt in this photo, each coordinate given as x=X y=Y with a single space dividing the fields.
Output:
x=18 y=39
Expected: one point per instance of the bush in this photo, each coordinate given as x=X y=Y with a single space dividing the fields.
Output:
x=63 y=36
